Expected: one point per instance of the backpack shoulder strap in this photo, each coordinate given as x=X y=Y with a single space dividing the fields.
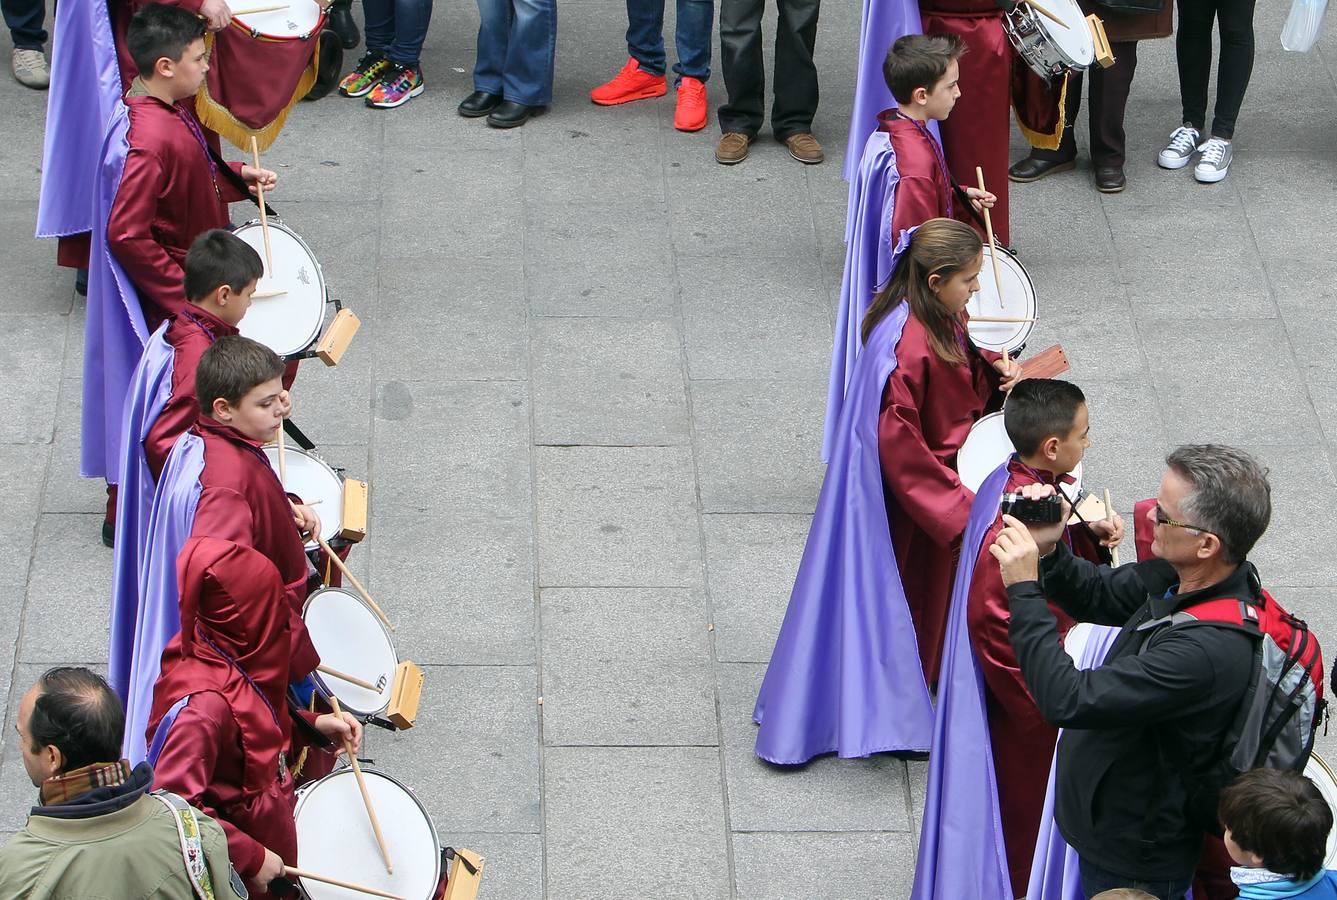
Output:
x=192 y=847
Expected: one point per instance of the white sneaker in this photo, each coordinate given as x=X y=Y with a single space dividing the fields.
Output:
x=30 y=69
x=1215 y=162
x=1183 y=144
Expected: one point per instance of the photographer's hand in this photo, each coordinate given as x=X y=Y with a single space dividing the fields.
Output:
x=1017 y=554
x=1046 y=536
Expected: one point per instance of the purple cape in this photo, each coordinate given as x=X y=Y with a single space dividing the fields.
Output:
x=868 y=265
x=961 y=805
x=1054 y=868
x=150 y=390
x=882 y=22
x=159 y=614
x=85 y=88
x=845 y=675
x=114 y=327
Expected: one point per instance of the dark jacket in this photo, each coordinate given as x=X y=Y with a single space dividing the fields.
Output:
x=1141 y=729
x=1125 y=26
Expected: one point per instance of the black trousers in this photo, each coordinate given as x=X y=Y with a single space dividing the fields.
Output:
x=1108 y=90
x=795 y=86
x=1193 y=48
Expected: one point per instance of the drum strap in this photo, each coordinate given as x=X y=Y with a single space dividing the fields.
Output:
x=237 y=181
x=298 y=436
x=965 y=199
x=192 y=848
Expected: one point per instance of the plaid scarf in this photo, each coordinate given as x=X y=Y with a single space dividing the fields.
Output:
x=62 y=788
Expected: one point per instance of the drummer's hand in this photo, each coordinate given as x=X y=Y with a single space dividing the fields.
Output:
x=324 y=4
x=270 y=869
x=262 y=178
x=216 y=14
x=1110 y=531
x=1009 y=370
x=339 y=729
x=981 y=200
x=285 y=403
x=307 y=520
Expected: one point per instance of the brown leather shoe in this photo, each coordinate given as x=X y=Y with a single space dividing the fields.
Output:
x=805 y=149
x=732 y=148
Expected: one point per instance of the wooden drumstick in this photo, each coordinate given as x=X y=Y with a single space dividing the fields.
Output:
x=362 y=786
x=993 y=251
x=366 y=685
x=1046 y=13
x=357 y=585
x=256 y=10
x=265 y=295
x=264 y=216
x=294 y=872
x=283 y=462
x=1008 y=319
x=1109 y=517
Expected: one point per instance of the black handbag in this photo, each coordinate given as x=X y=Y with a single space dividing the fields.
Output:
x=1132 y=7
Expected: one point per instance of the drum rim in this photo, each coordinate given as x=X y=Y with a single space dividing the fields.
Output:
x=1322 y=764
x=314 y=457
x=1090 y=42
x=250 y=30
x=323 y=290
x=306 y=790
x=389 y=640
x=1029 y=46
x=1006 y=255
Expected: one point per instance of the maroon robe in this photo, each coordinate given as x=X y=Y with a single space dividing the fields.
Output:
x=923 y=191
x=1023 y=742
x=168 y=196
x=191 y=332
x=928 y=408
x=976 y=133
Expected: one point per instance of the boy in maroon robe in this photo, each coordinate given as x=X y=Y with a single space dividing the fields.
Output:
x=1048 y=423
x=172 y=188
x=221 y=273
x=220 y=733
x=923 y=72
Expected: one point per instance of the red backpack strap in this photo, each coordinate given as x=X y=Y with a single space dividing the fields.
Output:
x=1223 y=610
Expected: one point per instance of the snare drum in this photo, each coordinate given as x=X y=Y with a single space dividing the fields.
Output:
x=334 y=837
x=1047 y=47
x=987 y=447
x=289 y=322
x=1015 y=301
x=312 y=479
x=1317 y=771
x=296 y=22
x=351 y=639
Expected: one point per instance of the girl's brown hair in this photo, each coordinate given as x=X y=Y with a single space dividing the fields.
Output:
x=940 y=247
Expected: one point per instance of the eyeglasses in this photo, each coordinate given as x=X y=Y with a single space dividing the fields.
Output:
x=1163 y=519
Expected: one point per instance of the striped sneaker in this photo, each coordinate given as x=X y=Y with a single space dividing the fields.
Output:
x=397 y=86
x=365 y=75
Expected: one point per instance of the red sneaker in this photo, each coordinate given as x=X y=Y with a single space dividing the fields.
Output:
x=691 y=112
x=628 y=85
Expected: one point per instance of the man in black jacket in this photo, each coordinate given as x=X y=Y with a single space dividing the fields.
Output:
x=1143 y=729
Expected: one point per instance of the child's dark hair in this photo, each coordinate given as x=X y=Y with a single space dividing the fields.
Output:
x=1038 y=409
x=941 y=247
x=231 y=368
x=216 y=258
x=919 y=60
x=158 y=31
x=1282 y=817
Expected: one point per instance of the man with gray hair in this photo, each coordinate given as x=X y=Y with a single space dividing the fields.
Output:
x=1144 y=729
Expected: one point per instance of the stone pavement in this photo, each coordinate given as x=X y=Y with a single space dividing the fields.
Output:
x=588 y=395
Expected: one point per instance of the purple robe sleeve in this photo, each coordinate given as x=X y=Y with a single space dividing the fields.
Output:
x=961 y=804
x=150 y=389
x=845 y=675
x=114 y=327
x=882 y=22
x=170 y=523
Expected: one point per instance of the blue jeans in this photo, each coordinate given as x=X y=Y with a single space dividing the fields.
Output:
x=397 y=28
x=517 y=43
x=1096 y=879
x=24 y=18
x=645 y=36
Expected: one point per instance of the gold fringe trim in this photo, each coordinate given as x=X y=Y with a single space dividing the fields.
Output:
x=1038 y=139
x=217 y=118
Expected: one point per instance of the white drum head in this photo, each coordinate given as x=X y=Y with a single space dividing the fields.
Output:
x=1317 y=771
x=1075 y=41
x=334 y=838
x=289 y=322
x=351 y=639
x=1016 y=301
x=299 y=19
x=987 y=447
x=311 y=479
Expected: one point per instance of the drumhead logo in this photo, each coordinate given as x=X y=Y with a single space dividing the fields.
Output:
x=302 y=276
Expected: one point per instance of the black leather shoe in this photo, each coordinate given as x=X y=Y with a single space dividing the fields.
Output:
x=108 y=534
x=510 y=114
x=342 y=24
x=1033 y=168
x=329 y=66
x=479 y=103
x=1110 y=179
